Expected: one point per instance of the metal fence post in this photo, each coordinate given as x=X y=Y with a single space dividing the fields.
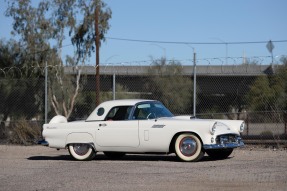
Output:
x=285 y=121
x=46 y=92
x=247 y=124
x=194 y=83
x=114 y=86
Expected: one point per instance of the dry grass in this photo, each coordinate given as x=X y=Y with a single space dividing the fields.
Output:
x=23 y=132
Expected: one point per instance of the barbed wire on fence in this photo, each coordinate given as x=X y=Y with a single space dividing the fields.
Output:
x=259 y=64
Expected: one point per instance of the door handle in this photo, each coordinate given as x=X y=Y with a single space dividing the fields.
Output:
x=102 y=124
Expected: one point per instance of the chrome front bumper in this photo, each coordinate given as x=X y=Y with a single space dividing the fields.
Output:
x=225 y=142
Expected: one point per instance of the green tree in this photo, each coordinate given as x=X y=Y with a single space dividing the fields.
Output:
x=42 y=28
x=39 y=26
x=19 y=96
x=282 y=75
x=33 y=29
x=168 y=85
x=268 y=93
x=260 y=94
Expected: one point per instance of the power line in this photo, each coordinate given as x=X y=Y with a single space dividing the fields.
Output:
x=199 y=43
x=163 y=42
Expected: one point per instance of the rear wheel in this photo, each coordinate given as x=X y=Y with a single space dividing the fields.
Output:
x=219 y=153
x=188 y=148
x=81 y=151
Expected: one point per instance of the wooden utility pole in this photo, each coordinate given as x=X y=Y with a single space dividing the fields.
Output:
x=97 y=42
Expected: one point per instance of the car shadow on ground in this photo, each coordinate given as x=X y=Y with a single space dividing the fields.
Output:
x=129 y=157
x=59 y=157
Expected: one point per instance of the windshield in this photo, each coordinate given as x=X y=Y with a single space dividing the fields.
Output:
x=151 y=110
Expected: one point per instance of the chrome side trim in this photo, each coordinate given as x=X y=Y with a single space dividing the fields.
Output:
x=157 y=126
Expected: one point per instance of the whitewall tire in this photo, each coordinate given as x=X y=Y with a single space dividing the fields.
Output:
x=81 y=151
x=188 y=148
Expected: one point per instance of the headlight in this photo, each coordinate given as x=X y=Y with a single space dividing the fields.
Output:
x=213 y=128
x=242 y=126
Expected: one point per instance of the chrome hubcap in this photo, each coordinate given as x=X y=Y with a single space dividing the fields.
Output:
x=188 y=146
x=81 y=149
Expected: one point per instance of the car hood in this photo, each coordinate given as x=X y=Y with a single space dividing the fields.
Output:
x=220 y=123
x=191 y=118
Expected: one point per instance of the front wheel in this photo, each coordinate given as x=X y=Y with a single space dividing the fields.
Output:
x=188 y=148
x=219 y=153
x=81 y=151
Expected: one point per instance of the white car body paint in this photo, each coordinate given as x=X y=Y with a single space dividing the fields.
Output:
x=136 y=135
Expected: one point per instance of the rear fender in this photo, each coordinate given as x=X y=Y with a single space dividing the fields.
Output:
x=85 y=138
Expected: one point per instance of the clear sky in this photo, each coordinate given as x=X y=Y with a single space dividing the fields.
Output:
x=201 y=21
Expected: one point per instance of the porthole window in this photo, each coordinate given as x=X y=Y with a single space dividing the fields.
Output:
x=101 y=111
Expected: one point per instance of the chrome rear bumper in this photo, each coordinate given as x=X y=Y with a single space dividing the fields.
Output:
x=43 y=142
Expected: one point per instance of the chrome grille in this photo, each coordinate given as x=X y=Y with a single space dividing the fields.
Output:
x=229 y=138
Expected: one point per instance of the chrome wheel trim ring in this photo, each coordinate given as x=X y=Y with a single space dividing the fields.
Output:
x=81 y=149
x=188 y=146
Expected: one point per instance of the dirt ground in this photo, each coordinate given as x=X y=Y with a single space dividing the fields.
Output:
x=42 y=168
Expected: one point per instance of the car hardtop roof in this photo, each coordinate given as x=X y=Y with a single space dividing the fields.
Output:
x=107 y=105
x=126 y=102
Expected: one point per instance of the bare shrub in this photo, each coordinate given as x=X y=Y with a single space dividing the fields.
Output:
x=2 y=133
x=24 y=132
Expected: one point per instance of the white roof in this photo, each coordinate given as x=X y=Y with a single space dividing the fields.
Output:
x=108 y=105
x=124 y=102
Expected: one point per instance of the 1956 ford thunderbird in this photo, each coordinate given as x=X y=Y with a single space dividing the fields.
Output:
x=142 y=126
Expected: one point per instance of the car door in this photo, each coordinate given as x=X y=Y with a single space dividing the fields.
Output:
x=154 y=135
x=117 y=130
x=153 y=132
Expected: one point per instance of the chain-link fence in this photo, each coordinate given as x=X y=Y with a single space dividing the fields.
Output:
x=223 y=92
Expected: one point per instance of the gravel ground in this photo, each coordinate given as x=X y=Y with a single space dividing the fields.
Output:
x=42 y=168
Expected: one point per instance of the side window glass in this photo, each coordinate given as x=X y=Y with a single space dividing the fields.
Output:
x=100 y=111
x=150 y=111
x=119 y=113
x=112 y=113
x=142 y=111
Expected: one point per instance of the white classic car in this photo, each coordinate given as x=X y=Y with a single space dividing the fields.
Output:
x=142 y=126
